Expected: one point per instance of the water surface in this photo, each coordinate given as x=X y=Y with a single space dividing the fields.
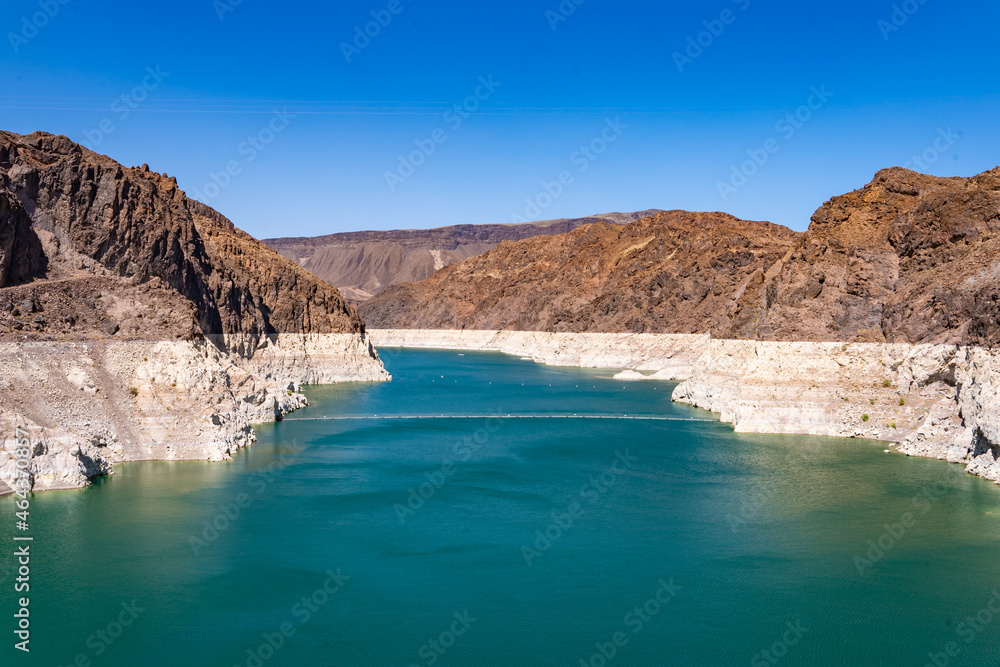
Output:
x=416 y=541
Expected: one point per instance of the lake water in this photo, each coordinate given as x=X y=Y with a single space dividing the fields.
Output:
x=514 y=540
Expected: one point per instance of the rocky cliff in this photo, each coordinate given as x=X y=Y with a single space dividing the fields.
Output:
x=137 y=323
x=90 y=215
x=362 y=264
x=935 y=401
x=908 y=258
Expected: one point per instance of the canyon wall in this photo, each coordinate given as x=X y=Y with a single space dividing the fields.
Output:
x=936 y=401
x=86 y=405
x=878 y=322
x=675 y=272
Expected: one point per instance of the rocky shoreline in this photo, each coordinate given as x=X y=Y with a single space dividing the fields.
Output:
x=674 y=353
x=935 y=401
x=89 y=404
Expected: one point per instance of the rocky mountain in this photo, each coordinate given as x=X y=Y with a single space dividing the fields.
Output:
x=674 y=272
x=138 y=324
x=908 y=258
x=68 y=215
x=361 y=264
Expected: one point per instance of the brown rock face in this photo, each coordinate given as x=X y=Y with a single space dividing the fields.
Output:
x=361 y=264
x=908 y=258
x=68 y=214
x=95 y=307
x=675 y=272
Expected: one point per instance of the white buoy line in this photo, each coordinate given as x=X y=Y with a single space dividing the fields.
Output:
x=495 y=416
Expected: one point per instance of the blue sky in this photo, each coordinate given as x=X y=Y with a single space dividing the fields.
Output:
x=592 y=95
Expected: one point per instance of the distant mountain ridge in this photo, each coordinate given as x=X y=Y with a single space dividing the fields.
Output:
x=673 y=272
x=363 y=263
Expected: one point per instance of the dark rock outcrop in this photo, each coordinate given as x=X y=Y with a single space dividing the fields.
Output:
x=21 y=255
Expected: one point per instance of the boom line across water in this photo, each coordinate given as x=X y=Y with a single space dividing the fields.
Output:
x=496 y=416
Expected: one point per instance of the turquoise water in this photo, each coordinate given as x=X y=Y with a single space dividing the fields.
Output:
x=669 y=542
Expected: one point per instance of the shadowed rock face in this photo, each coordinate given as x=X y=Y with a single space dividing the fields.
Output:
x=68 y=214
x=675 y=272
x=21 y=256
x=361 y=264
x=908 y=258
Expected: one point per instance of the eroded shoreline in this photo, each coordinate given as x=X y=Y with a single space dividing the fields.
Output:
x=934 y=401
x=87 y=405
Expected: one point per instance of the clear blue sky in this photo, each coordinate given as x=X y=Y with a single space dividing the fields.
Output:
x=678 y=134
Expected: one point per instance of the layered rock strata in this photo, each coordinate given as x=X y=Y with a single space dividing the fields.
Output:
x=936 y=401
